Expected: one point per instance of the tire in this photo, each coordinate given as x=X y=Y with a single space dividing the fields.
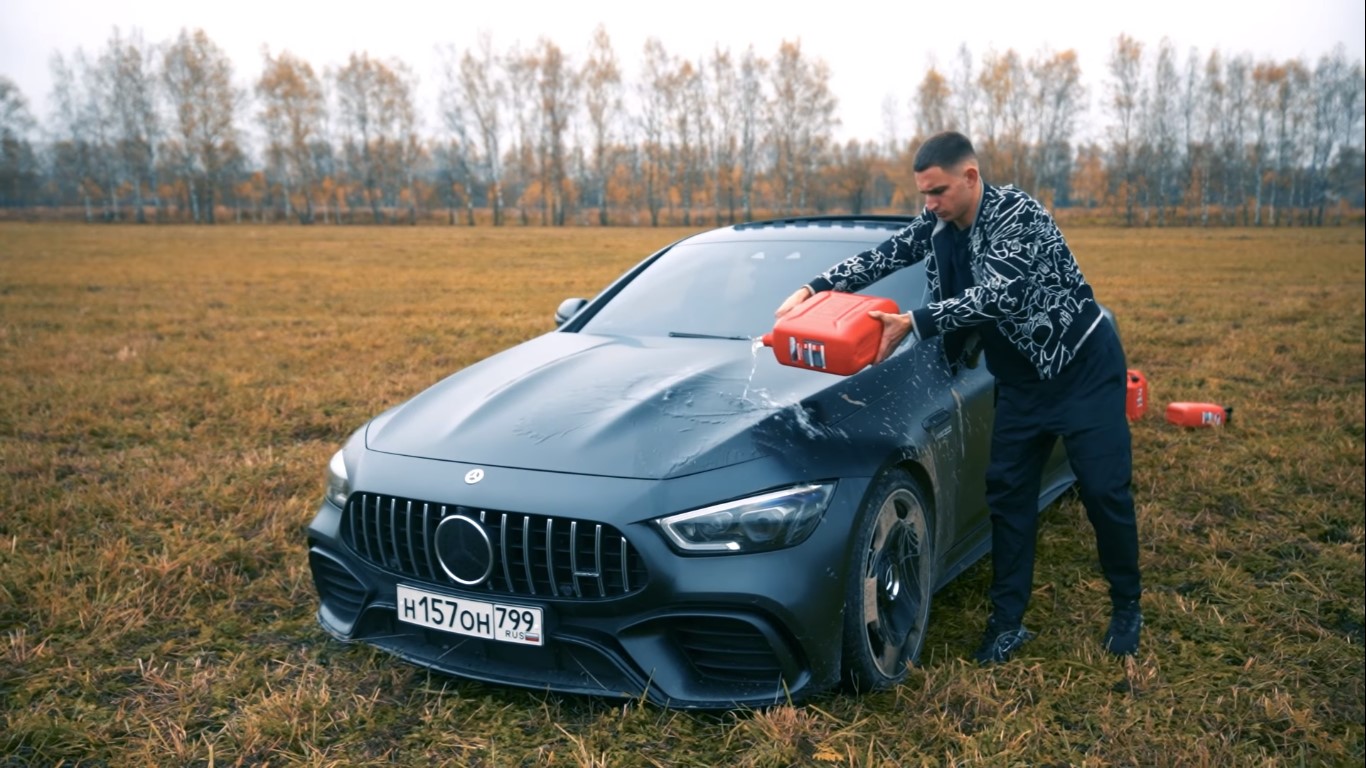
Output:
x=887 y=602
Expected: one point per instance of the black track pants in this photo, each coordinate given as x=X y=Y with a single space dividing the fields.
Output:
x=1083 y=405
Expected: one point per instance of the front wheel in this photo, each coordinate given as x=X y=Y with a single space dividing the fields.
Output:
x=887 y=602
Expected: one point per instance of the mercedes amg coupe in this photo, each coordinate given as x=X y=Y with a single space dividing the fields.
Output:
x=643 y=502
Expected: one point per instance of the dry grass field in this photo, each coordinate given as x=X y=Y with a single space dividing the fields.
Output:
x=169 y=396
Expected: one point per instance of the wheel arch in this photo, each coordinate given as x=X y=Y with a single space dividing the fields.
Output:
x=922 y=478
x=909 y=462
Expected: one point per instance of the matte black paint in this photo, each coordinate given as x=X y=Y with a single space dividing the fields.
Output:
x=622 y=429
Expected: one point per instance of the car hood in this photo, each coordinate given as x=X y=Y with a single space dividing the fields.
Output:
x=618 y=406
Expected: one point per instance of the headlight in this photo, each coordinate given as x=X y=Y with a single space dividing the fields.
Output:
x=756 y=524
x=338 y=484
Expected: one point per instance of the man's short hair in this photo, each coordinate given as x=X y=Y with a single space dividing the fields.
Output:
x=945 y=150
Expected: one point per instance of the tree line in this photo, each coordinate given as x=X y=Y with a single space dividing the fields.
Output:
x=141 y=132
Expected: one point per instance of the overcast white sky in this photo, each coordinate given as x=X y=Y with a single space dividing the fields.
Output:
x=875 y=49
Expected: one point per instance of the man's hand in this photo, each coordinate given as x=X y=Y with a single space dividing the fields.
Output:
x=894 y=330
x=798 y=296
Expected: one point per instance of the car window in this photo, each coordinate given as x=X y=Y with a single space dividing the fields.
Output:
x=732 y=288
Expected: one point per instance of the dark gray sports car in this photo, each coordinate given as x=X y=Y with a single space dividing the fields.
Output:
x=644 y=503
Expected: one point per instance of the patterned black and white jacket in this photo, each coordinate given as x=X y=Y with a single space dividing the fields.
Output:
x=1024 y=279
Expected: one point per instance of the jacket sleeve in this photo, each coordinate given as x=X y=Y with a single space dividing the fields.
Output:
x=903 y=249
x=1014 y=235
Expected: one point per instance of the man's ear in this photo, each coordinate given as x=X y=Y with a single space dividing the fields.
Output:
x=971 y=174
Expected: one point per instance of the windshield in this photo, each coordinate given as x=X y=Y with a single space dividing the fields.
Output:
x=730 y=289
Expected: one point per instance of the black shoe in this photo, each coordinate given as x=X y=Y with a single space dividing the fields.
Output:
x=998 y=644
x=1121 y=638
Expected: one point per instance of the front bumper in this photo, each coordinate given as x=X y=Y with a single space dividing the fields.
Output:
x=699 y=632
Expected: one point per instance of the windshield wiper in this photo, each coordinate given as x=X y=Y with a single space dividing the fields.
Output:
x=686 y=335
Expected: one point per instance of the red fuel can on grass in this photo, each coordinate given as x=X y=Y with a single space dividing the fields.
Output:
x=830 y=332
x=1198 y=414
x=1137 y=403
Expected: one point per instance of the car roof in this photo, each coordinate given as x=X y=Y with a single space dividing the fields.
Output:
x=837 y=228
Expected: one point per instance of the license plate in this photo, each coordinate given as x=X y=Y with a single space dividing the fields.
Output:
x=519 y=624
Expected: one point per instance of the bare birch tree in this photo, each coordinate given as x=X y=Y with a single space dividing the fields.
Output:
x=292 y=114
x=801 y=122
x=602 y=100
x=1057 y=99
x=1266 y=79
x=557 y=87
x=723 y=104
x=458 y=158
x=851 y=174
x=1188 y=101
x=77 y=153
x=378 y=131
x=1233 y=134
x=1160 y=123
x=1126 y=105
x=484 y=92
x=891 y=130
x=1005 y=94
x=653 y=96
x=1293 y=108
x=1336 y=152
x=522 y=71
x=204 y=103
x=932 y=104
x=18 y=164
x=686 y=100
x=965 y=95
x=125 y=78
x=752 y=99
x=1211 y=110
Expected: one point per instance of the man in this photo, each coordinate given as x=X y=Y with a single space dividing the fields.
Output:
x=999 y=265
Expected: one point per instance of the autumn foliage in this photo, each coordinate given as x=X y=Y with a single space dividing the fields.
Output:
x=540 y=136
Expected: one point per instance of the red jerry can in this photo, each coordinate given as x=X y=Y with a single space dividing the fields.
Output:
x=1137 y=403
x=1198 y=414
x=830 y=332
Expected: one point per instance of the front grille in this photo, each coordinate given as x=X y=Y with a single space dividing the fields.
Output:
x=533 y=555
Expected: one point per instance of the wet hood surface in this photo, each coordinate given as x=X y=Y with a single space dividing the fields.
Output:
x=615 y=406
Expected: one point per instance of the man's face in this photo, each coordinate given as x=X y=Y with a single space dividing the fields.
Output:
x=950 y=194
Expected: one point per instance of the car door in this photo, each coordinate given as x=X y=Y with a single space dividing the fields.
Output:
x=955 y=410
x=974 y=389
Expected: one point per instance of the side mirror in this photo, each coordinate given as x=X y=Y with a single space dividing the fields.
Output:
x=567 y=309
